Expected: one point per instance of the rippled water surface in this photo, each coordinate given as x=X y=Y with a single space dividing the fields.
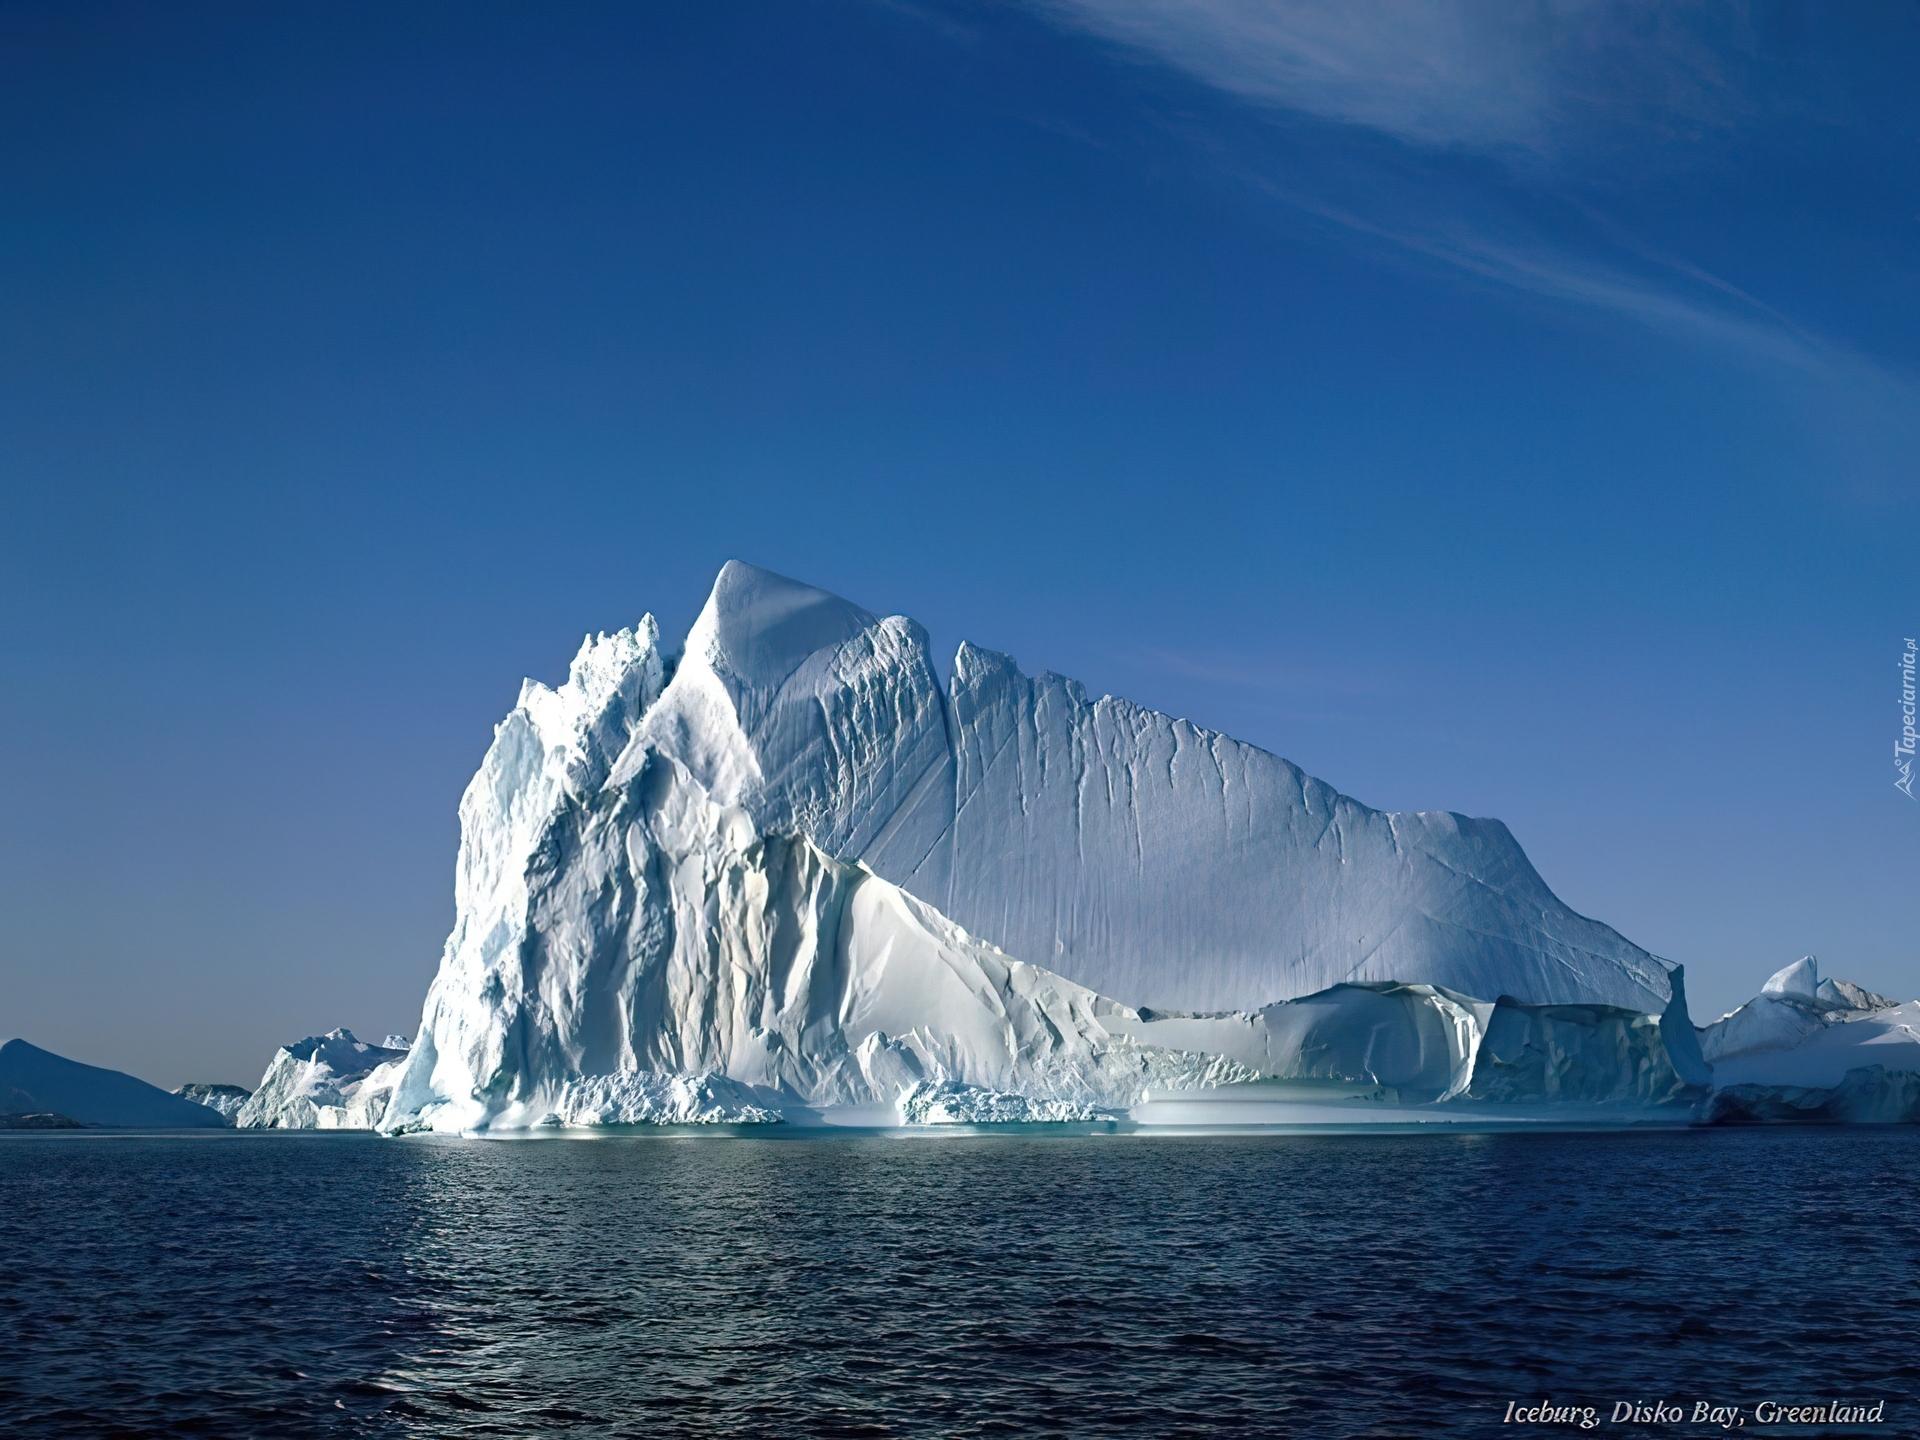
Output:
x=261 y=1285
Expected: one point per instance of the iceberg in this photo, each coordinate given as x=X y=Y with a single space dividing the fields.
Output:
x=772 y=977
x=225 y=1099
x=36 y=1081
x=1808 y=1049
x=783 y=873
x=325 y=1082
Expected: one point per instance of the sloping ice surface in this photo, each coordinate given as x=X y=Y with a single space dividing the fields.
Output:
x=1140 y=855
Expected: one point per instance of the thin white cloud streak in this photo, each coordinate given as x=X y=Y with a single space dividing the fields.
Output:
x=1525 y=76
x=1761 y=335
x=1527 y=82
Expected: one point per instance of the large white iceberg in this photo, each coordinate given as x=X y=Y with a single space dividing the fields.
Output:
x=784 y=872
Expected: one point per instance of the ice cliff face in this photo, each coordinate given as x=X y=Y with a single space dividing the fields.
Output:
x=1164 y=840
x=1422 y=1044
x=789 y=868
x=680 y=967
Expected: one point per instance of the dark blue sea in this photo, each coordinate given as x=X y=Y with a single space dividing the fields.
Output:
x=235 y=1284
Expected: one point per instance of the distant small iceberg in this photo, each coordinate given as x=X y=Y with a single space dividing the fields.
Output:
x=1807 y=1050
x=227 y=1099
x=325 y=1082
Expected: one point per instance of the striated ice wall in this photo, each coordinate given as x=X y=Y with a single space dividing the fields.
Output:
x=1139 y=855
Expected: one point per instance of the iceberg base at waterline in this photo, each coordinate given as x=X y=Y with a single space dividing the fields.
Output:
x=1868 y=1095
x=890 y=1016
x=807 y=991
x=810 y=991
x=979 y=1039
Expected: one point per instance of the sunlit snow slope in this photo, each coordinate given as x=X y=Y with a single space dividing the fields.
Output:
x=1139 y=855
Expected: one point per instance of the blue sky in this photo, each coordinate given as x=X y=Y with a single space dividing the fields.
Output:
x=1505 y=409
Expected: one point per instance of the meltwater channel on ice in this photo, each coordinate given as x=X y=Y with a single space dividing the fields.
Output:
x=780 y=874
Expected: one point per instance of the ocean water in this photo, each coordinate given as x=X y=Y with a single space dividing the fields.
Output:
x=235 y=1284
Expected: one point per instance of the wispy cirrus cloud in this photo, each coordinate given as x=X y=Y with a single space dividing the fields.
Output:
x=1562 y=97
x=1663 y=293
x=1525 y=77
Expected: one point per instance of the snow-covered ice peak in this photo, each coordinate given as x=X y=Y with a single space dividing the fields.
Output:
x=1143 y=856
x=585 y=723
x=339 y=1051
x=757 y=628
x=1801 y=984
x=1845 y=995
x=1798 y=981
x=812 y=715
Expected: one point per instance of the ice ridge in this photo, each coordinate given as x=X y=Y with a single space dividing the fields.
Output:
x=1140 y=855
